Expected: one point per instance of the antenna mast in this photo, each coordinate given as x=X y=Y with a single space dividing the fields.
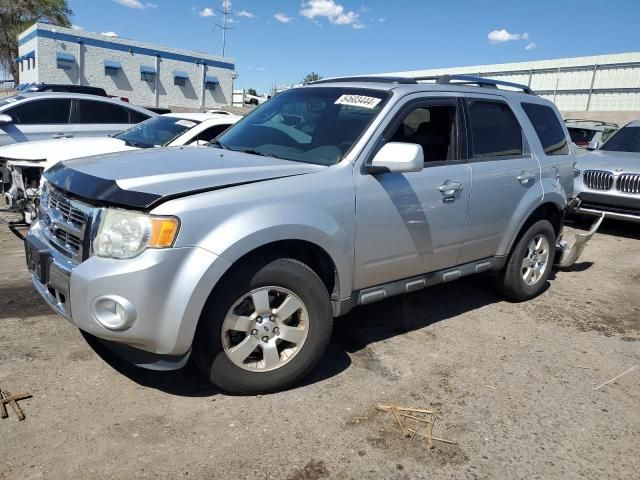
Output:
x=224 y=27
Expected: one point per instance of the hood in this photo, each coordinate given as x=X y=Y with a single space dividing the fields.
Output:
x=146 y=178
x=56 y=150
x=621 y=162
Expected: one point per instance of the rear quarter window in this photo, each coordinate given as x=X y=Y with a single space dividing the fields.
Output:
x=548 y=128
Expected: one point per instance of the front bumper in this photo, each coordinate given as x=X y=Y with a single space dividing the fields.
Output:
x=619 y=207
x=168 y=289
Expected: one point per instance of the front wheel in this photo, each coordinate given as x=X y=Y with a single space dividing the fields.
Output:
x=264 y=328
x=529 y=265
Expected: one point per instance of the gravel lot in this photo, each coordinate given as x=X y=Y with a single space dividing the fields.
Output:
x=514 y=385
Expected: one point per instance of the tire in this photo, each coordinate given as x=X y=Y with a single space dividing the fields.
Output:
x=287 y=281
x=511 y=280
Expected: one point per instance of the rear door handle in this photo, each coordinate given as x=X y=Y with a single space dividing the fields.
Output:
x=62 y=135
x=449 y=188
x=525 y=177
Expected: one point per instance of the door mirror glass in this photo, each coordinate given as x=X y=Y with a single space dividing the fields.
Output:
x=5 y=119
x=396 y=157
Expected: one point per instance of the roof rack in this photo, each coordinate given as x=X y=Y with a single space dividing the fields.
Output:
x=597 y=122
x=471 y=80
x=398 y=80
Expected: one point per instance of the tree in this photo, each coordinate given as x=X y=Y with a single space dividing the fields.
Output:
x=18 y=15
x=252 y=91
x=312 y=77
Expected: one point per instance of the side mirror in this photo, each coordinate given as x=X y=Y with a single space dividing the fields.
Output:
x=200 y=143
x=398 y=157
x=593 y=145
x=5 y=119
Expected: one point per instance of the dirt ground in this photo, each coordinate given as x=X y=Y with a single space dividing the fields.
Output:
x=513 y=385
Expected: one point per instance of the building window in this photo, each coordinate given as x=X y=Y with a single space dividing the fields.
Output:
x=147 y=74
x=210 y=83
x=65 y=60
x=112 y=68
x=180 y=78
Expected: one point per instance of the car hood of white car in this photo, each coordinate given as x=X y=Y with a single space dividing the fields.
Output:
x=53 y=151
x=627 y=162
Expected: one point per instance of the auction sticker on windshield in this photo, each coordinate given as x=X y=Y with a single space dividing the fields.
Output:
x=358 y=101
x=186 y=123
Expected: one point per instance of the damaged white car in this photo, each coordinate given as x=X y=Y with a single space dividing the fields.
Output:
x=22 y=164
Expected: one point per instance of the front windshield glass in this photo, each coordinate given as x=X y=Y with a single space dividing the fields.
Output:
x=10 y=100
x=312 y=125
x=156 y=132
x=626 y=139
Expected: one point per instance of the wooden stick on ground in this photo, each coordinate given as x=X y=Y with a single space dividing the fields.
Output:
x=425 y=420
x=3 y=407
x=434 y=438
x=405 y=432
x=12 y=400
x=615 y=378
x=430 y=437
x=387 y=408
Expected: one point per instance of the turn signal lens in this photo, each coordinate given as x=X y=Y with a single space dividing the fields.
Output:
x=163 y=232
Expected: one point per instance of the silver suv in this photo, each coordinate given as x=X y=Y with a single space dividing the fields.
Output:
x=329 y=196
x=42 y=116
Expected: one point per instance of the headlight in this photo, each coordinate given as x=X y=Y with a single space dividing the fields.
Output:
x=126 y=234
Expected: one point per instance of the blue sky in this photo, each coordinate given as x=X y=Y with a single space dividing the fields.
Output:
x=283 y=40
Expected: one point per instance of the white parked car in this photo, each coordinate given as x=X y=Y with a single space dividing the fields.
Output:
x=22 y=164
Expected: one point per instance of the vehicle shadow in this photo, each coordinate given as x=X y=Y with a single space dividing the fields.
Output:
x=352 y=334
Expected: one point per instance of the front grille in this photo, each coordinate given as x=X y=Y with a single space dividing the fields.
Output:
x=69 y=214
x=66 y=223
x=629 y=183
x=598 y=179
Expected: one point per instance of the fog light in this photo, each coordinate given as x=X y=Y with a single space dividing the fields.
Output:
x=113 y=312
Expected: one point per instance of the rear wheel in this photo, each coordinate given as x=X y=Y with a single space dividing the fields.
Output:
x=264 y=328
x=529 y=265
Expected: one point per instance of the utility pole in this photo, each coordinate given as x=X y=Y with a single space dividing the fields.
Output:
x=224 y=27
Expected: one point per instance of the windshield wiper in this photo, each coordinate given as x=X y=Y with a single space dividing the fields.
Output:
x=256 y=152
x=219 y=144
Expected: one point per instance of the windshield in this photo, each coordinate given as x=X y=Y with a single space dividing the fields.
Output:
x=10 y=100
x=626 y=139
x=581 y=136
x=312 y=125
x=156 y=132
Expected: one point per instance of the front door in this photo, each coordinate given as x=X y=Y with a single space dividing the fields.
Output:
x=412 y=223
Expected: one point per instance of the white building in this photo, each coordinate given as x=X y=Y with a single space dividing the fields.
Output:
x=601 y=83
x=147 y=74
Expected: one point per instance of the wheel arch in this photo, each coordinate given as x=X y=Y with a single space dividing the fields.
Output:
x=548 y=210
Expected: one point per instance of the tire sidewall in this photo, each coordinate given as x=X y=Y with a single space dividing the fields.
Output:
x=540 y=227
x=290 y=274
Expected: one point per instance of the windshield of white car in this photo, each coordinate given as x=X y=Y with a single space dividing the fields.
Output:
x=156 y=132
x=626 y=139
x=10 y=100
x=316 y=125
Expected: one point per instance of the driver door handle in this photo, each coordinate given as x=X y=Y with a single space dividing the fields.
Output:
x=450 y=187
x=62 y=135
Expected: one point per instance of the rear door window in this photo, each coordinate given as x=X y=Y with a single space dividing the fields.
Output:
x=89 y=111
x=47 y=111
x=548 y=128
x=495 y=131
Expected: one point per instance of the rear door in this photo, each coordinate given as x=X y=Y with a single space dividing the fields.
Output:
x=37 y=119
x=505 y=174
x=96 y=118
